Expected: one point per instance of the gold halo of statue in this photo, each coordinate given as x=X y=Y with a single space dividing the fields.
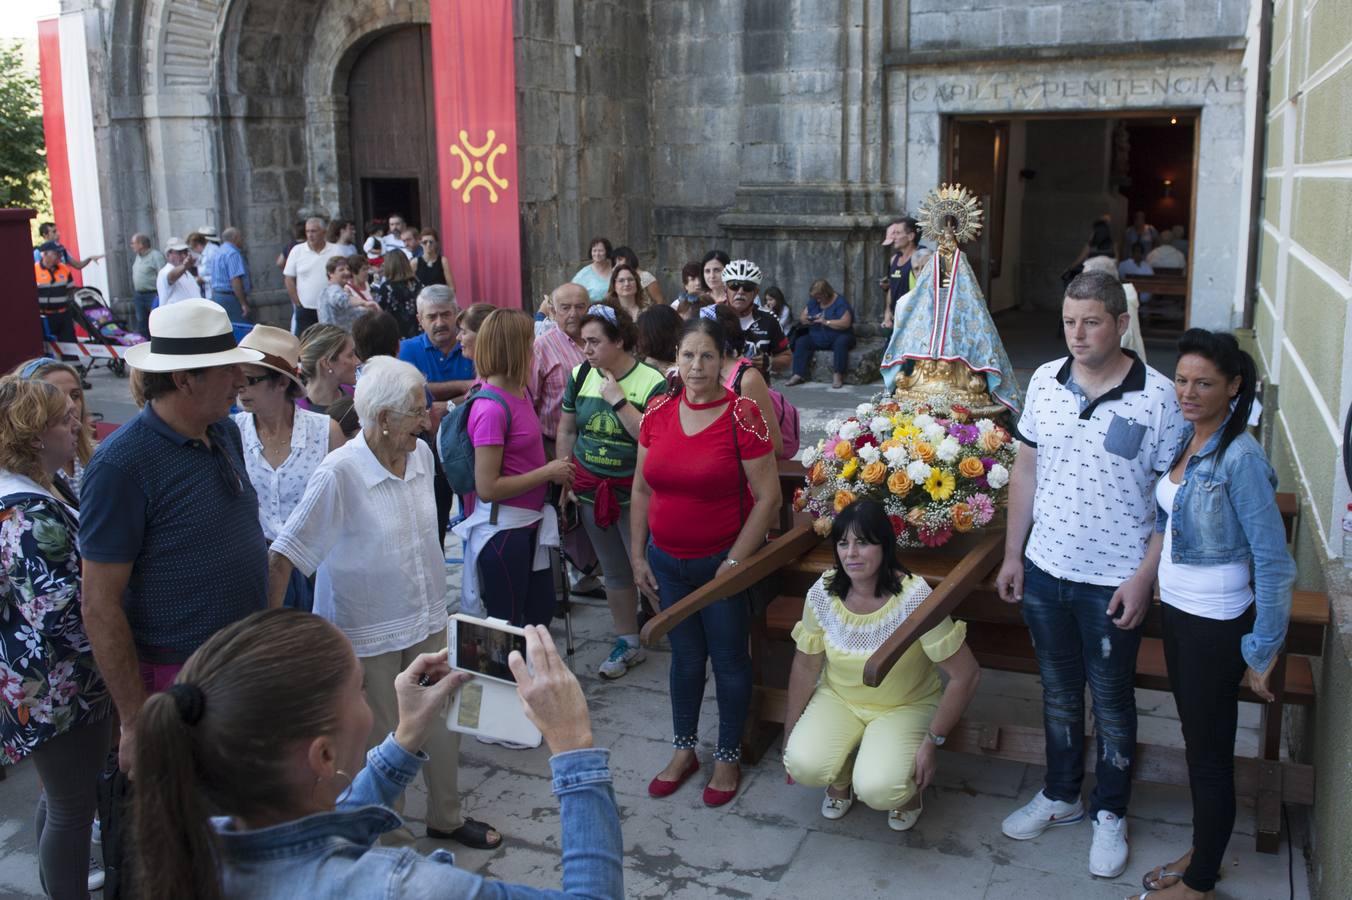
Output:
x=944 y=348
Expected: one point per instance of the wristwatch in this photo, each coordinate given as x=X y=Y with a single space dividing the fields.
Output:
x=732 y=562
x=936 y=739
x=620 y=404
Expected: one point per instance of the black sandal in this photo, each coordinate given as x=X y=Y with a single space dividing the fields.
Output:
x=473 y=834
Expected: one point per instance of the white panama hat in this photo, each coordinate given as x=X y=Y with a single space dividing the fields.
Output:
x=189 y=334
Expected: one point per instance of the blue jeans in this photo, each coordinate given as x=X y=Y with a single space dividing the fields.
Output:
x=720 y=633
x=228 y=300
x=809 y=342
x=144 y=302
x=1077 y=642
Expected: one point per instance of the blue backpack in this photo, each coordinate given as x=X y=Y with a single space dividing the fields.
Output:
x=453 y=443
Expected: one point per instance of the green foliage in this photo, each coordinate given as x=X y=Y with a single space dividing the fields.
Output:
x=23 y=159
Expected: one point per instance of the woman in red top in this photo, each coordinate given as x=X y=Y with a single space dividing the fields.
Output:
x=707 y=488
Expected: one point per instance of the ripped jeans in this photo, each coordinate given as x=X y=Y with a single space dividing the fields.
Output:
x=1077 y=642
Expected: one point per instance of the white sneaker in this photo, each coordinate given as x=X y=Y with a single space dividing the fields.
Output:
x=622 y=658
x=1038 y=815
x=96 y=875
x=1108 y=852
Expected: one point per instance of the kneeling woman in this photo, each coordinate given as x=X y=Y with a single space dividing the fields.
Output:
x=879 y=741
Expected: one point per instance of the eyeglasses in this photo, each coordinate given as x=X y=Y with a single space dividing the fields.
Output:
x=252 y=380
x=427 y=241
x=744 y=286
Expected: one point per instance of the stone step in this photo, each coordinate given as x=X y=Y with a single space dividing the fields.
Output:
x=865 y=359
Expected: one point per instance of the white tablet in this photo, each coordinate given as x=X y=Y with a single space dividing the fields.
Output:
x=488 y=706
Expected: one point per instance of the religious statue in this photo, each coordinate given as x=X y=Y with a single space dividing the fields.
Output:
x=944 y=345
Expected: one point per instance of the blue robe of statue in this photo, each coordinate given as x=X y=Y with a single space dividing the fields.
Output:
x=951 y=324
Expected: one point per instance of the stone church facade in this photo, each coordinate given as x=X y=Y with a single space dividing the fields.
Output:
x=788 y=131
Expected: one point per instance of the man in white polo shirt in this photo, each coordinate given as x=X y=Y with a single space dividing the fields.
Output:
x=305 y=275
x=176 y=279
x=1098 y=429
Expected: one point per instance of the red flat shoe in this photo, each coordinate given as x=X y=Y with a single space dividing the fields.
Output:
x=659 y=787
x=719 y=798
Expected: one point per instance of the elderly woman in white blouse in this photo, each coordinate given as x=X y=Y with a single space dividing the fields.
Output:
x=283 y=444
x=367 y=525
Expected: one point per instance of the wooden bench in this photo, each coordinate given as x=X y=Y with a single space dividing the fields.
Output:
x=963 y=586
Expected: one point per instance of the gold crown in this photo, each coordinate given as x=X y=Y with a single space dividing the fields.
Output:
x=951 y=201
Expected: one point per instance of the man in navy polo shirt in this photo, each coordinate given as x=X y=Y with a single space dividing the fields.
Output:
x=435 y=352
x=1097 y=430
x=169 y=530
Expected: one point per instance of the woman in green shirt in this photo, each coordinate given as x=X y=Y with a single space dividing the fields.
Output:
x=602 y=407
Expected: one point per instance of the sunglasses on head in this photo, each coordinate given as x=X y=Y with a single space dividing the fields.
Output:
x=741 y=286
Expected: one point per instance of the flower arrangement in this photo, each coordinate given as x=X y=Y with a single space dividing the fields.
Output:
x=936 y=470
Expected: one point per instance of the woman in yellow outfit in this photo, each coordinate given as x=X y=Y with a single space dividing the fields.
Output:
x=841 y=734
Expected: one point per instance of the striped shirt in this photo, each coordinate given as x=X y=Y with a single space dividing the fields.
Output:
x=555 y=358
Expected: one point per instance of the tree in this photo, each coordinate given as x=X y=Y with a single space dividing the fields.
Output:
x=23 y=158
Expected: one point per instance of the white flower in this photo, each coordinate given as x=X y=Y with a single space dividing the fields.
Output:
x=947 y=449
x=869 y=453
x=895 y=456
x=849 y=431
x=863 y=410
x=922 y=420
x=880 y=425
x=933 y=433
x=811 y=455
x=985 y=425
x=918 y=471
x=998 y=476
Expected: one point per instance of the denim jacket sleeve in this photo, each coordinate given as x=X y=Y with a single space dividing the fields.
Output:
x=1252 y=490
x=389 y=769
x=592 y=846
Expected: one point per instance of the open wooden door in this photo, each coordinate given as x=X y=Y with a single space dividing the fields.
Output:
x=978 y=159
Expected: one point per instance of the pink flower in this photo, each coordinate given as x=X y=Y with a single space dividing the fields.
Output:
x=983 y=510
x=11 y=685
x=934 y=537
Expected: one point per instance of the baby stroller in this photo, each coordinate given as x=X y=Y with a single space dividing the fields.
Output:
x=100 y=337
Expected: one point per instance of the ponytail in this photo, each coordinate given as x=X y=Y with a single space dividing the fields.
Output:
x=175 y=844
x=1222 y=350
x=216 y=742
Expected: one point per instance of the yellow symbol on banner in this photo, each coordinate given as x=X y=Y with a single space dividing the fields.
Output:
x=484 y=157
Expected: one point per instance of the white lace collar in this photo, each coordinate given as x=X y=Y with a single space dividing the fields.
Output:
x=864 y=639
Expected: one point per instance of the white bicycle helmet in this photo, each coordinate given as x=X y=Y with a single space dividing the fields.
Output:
x=742 y=270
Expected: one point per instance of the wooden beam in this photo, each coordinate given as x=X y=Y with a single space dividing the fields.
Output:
x=760 y=565
x=943 y=599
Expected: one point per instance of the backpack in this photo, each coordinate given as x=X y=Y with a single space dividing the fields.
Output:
x=785 y=412
x=453 y=443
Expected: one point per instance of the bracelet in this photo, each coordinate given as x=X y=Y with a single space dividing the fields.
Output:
x=936 y=739
x=620 y=404
x=732 y=562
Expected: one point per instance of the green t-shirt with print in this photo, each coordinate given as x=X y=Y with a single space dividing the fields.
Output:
x=603 y=446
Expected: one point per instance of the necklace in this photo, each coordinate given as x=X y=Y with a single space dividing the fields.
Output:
x=719 y=401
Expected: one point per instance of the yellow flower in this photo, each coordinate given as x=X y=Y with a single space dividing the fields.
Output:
x=843 y=450
x=905 y=431
x=940 y=484
x=874 y=472
x=850 y=468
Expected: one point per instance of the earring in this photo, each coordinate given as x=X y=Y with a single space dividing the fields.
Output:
x=340 y=793
x=385 y=431
x=330 y=370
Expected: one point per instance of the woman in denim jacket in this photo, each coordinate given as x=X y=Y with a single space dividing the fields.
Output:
x=263 y=725
x=1225 y=584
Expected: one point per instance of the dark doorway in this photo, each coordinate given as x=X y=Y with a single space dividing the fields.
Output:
x=382 y=196
x=391 y=137
x=1043 y=181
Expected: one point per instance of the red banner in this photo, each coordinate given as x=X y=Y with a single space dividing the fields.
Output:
x=474 y=83
x=54 y=132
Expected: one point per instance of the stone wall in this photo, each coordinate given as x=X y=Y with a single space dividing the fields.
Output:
x=1302 y=318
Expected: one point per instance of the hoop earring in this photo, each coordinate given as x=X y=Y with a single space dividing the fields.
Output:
x=341 y=793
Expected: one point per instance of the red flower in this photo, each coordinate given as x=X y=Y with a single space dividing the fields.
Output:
x=898 y=525
x=865 y=439
x=936 y=537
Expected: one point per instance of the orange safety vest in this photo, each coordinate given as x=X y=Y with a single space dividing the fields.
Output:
x=53 y=284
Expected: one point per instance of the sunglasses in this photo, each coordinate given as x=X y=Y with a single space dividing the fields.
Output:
x=742 y=286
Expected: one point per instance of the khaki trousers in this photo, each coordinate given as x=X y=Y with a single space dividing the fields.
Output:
x=442 y=769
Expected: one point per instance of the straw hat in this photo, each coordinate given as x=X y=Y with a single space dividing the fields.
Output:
x=189 y=334
x=280 y=349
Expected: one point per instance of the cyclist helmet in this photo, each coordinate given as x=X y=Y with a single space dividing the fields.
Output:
x=742 y=270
